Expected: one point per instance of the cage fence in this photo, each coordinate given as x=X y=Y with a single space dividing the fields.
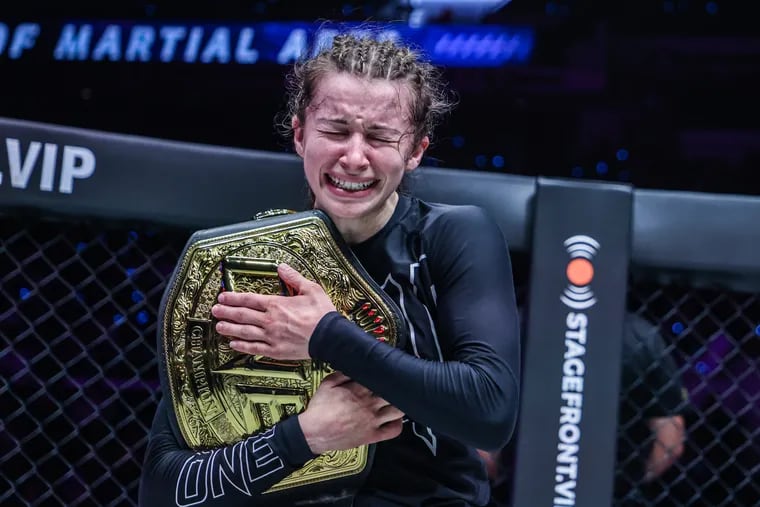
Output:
x=78 y=308
x=710 y=352
x=78 y=305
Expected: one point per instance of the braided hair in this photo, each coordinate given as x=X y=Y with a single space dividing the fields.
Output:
x=370 y=58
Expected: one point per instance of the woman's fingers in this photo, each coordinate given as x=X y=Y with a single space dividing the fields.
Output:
x=252 y=348
x=242 y=331
x=389 y=430
x=238 y=314
x=389 y=413
x=336 y=378
x=250 y=300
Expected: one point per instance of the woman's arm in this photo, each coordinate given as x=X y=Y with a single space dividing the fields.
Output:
x=342 y=414
x=173 y=474
x=473 y=394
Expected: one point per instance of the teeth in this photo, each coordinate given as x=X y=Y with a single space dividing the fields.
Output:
x=348 y=185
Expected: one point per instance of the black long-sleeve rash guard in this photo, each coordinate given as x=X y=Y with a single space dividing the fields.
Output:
x=234 y=475
x=462 y=381
x=455 y=377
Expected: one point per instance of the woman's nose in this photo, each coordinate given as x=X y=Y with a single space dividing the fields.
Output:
x=354 y=157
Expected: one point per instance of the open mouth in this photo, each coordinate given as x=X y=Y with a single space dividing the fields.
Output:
x=350 y=186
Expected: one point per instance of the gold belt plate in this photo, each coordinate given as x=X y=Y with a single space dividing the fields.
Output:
x=221 y=396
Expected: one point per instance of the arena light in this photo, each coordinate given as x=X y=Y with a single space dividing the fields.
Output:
x=96 y=41
x=471 y=11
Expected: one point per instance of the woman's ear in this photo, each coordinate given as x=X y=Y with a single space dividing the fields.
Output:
x=297 y=135
x=416 y=156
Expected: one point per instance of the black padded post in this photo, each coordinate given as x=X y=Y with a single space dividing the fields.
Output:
x=566 y=443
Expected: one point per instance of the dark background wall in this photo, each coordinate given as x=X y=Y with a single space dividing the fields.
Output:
x=660 y=93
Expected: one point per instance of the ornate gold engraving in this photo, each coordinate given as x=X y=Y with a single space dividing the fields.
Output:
x=221 y=396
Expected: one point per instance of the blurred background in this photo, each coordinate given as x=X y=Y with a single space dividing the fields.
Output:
x=660 y=93
x=657 y=93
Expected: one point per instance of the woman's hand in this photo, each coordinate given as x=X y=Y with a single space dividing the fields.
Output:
x=271 y=325
x=343 y=414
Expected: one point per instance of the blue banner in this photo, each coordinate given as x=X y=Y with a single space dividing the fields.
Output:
x=255 y=43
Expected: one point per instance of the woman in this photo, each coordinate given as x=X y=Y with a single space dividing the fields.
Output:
x=362 y=113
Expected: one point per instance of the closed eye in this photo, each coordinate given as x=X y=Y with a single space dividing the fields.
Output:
x=372 y=139
x=332 y=133
x=382 y=139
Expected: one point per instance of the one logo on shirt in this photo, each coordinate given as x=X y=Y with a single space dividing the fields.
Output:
x=210 y=474
x=580 y=272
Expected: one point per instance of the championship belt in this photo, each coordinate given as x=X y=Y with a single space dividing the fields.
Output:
x=221 y=396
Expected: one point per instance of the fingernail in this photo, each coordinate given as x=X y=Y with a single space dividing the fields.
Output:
x=234 y=345
x=221 y=297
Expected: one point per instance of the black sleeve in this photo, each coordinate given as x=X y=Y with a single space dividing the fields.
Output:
x=473 y=394
x=652 y=375
x=231 y=476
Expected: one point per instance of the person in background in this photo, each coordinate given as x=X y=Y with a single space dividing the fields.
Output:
x=651 y=423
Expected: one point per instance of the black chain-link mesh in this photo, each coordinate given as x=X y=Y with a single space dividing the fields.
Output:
x=78 y=305
x=79 y=386
x=710 y=351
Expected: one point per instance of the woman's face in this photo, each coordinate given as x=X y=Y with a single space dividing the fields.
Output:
x=356 y=143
